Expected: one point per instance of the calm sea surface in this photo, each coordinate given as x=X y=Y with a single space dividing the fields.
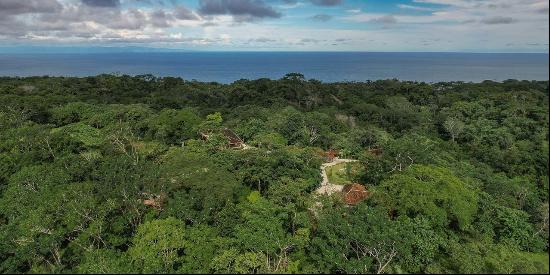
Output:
x=227 y=67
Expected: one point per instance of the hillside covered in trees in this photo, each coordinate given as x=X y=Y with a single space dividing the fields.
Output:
x=113 y=174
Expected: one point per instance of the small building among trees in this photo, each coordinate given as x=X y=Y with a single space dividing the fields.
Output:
x=330 y=155
x=233 y=140
x=354 y=193
x=155 y=201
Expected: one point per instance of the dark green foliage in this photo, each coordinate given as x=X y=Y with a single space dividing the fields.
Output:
x=122 y=174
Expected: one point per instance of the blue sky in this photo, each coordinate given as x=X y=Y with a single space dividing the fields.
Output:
x=278 y=25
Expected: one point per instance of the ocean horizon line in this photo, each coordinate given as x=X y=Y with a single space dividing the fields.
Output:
x=91 y=50
x=227 y=67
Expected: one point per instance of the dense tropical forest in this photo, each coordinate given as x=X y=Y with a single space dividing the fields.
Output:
x=135 y=174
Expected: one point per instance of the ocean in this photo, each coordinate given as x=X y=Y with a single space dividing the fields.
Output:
x=226 y=67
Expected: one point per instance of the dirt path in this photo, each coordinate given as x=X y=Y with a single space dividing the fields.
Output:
x=326 y=187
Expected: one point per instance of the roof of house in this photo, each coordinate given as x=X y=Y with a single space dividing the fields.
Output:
x=354 y=193
x=233 y=138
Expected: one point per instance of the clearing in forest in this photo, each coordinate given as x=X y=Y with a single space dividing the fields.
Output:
x=327 y=186
x=342 y=173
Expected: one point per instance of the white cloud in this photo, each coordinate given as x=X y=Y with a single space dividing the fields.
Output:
x=412 y=7
x=465 y=25
x=453 y=25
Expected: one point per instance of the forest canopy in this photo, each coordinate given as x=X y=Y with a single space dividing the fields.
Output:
x=138 y=174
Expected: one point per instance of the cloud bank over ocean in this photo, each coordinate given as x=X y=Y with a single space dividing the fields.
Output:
x=287 y=25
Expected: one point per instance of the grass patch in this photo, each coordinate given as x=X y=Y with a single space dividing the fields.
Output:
x=343 y=173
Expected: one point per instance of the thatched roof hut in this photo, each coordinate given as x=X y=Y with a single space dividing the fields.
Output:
x=354 y=193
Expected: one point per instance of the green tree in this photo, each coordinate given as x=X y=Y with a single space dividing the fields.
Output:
x=157 y=246
x=431 y=192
